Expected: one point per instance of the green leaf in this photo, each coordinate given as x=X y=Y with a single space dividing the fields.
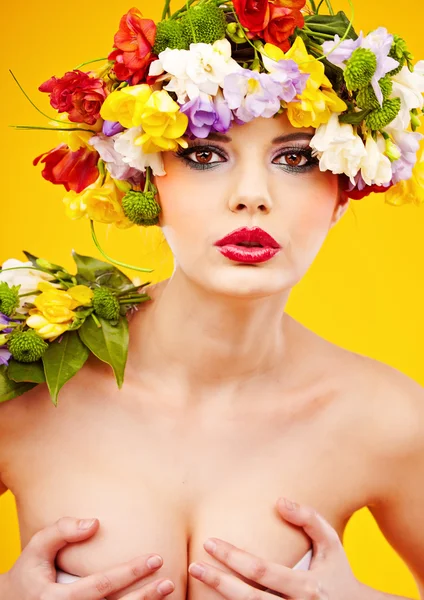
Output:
x=19 y=371
x=354 y=118
x=33 y=259
x=11 y=389
x=92 y=269
x=108 y=343
x=62 y=360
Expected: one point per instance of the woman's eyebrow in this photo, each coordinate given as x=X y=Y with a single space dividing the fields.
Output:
x=286 y=137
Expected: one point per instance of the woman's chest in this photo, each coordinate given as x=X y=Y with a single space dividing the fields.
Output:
x=165 y=485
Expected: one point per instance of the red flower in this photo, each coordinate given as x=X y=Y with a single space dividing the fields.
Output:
x=74 y=170
x=133 y=46
x=252 y=14
x=284 y=17
x=356 y=194
x=77 y=94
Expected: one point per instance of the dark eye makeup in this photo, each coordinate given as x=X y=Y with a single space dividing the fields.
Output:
x=207 y=150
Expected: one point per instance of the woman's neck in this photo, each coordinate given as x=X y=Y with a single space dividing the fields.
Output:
x=207 y=340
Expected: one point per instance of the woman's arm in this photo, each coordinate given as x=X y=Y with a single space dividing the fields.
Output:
x=399 y=511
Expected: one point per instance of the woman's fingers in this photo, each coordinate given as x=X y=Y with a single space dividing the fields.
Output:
x=268 y=574
x=46 y=543
x=153 y=591
x=100 y=585
x=233 y=588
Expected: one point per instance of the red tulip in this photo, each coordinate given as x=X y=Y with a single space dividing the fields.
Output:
x=74 y=170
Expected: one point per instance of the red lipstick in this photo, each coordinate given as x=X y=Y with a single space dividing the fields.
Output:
x=248 y=245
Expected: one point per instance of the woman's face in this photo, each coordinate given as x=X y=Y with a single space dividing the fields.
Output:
x=254 y=178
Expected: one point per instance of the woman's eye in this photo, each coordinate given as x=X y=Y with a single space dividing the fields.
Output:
x=200 y=157
x=295 y=159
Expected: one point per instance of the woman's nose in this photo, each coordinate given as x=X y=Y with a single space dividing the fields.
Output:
x=250 y=193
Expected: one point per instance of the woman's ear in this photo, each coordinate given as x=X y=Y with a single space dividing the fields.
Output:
x=341 y=207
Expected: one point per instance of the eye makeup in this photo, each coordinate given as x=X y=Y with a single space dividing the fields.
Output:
x=199 y=147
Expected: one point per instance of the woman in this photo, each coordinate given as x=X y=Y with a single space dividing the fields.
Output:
x=228 y=404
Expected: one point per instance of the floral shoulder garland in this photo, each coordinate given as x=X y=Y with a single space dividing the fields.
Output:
x=50 y=321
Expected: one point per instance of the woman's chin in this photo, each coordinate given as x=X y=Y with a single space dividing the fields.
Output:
x=246 y=281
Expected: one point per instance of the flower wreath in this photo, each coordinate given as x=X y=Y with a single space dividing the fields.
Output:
x=208 y=65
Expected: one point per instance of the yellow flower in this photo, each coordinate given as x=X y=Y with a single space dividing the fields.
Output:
x=99 y=203
x=76 y=139
x=81 y=294
x=158 y=114
x=409 y=190
x=318 y=100
x=55 y=305
x=45 y=329
x=124 y=105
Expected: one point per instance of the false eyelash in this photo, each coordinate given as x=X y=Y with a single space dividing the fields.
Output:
x=298 y=149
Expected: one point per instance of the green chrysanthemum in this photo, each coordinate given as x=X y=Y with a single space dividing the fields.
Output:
x=360 y=68
x=205 y=23
x=169 y=34
x=381 y=117
x=366 y=97
x=141 y=208
x=399 y=52
x=9 y=298
x=105 y=303
x=26 y=346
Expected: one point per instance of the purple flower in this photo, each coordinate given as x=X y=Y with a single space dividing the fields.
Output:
x=291 y=80
x=4 y=355
x=252 y=94
x=224 y=115
x=201 y=115
x=4 y=320
x=112 y=127
x=408 y=143
x=378 y=41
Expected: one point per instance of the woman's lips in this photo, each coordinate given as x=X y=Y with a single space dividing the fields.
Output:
x=246 y=245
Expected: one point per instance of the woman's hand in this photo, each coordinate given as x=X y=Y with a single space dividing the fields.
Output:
x=33 y=576
x=329 y=578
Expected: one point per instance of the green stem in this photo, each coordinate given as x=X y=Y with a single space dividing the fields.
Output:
x=34 y=268
x=324 y=36
x=96 y=320
x=27 y=294
x=29 y=99
x=166 y=9
x=135 y=301
x=314 y=8
x=88 y=62
x=115 y=262
x=183 y=9
x=330 y=8
x=29 y=127
x=147 y=180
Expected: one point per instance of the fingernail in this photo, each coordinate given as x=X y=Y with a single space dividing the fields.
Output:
x=165 y=587
x=85 y=523
x=154 y=562
x=210 y=546
x=196 y=570
x=290 y=505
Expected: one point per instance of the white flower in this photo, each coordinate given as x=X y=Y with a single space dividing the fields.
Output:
x=375 y=166
x=202 y=68
x=133 y=155
x=105 y=146
x=339 y=149
x=409 y=87
x=27 y=278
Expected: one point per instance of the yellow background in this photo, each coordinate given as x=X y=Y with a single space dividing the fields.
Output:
x=364 y=291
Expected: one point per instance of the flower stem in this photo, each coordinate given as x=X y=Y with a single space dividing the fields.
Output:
x=27 y=294
x=29 y=127
x=87 y=62
x=115 y=262
x=166 y=9
x=96 y=320
x=330 y=8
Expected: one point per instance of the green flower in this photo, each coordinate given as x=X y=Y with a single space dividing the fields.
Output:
x=381 y=117
x=9 y=298
x=366 y=97
x=169 y=34
x=205 y=23
x=399 y=52
x=106 y=304
x=141 y=208
x=360 y=68
x=26 y=346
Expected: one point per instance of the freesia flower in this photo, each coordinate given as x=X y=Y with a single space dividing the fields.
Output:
x=224 y=114
x=338 y=147
x=28 y=279
x=318 y=100
x=77 y=138
x=201 y=115
x=409 y=87
x=251 y=94
x=4 y=355
x=375 y=166
x=133 y=46
x=252 y=14
x=202 y=68
x=410 y=190
x=378 y=41
x=74 y=170
x=408 y=143
x=77 y=94
x=115 y=164
x=133 y=155
x=284 y=17
x=110 y=128
x=101 y=203
x=286 y=72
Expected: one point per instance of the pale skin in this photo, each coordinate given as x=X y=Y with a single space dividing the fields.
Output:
x=228 y=404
